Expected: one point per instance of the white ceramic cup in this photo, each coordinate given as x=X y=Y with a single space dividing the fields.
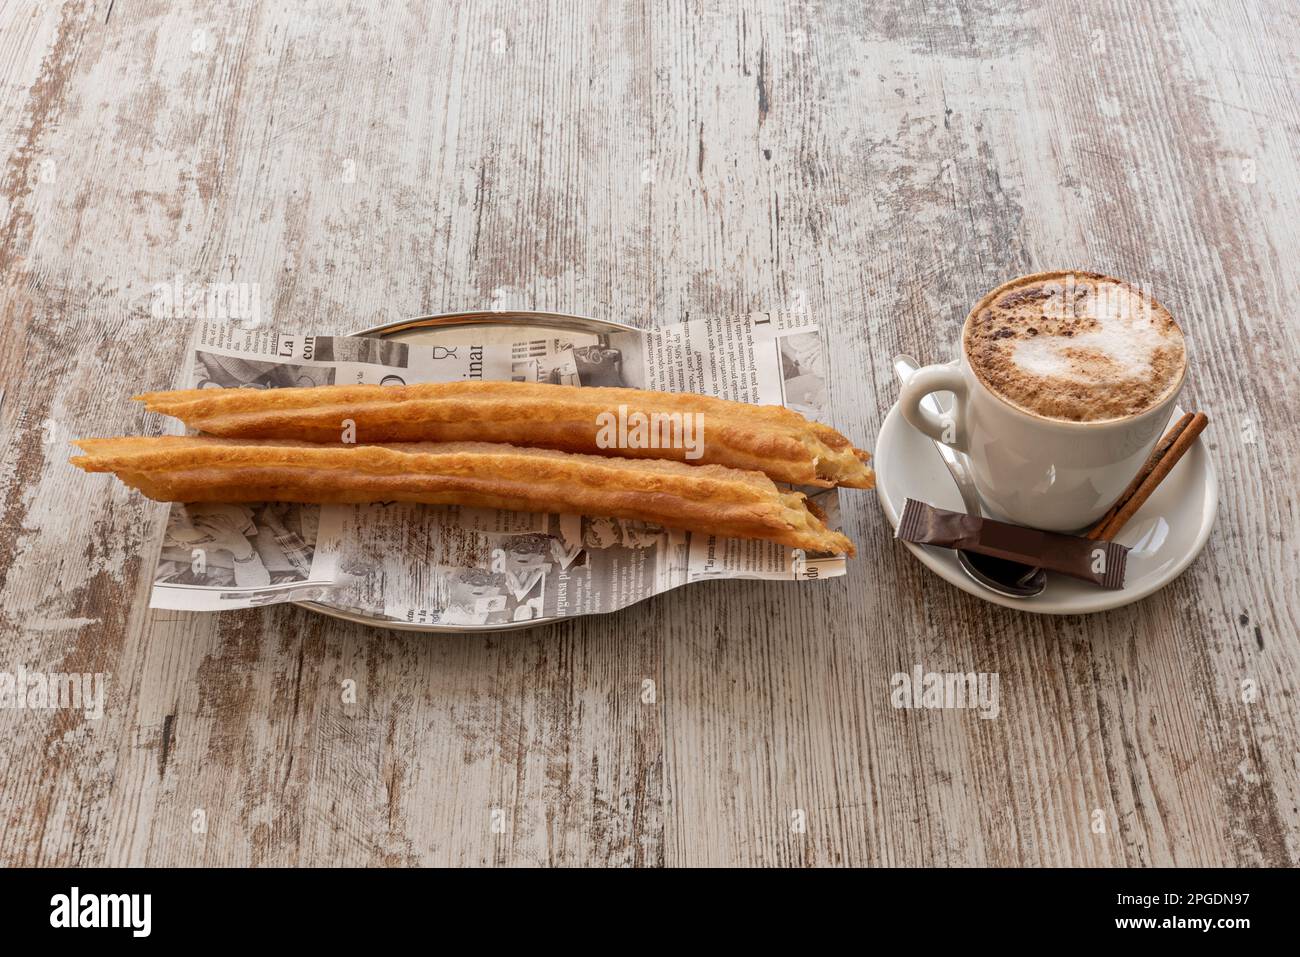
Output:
x=1046 y=473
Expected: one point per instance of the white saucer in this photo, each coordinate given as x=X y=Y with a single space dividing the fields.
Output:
x=1165 y=535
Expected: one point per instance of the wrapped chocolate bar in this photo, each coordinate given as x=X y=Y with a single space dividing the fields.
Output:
x=1102 y=563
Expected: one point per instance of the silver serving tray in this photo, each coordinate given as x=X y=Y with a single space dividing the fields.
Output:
x=427 y=329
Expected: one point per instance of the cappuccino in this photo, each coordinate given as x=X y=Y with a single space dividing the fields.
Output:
x=1079 y=347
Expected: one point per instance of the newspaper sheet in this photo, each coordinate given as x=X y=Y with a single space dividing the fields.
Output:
x=469 y=566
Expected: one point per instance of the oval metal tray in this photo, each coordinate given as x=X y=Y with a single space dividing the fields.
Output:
x=427 y=329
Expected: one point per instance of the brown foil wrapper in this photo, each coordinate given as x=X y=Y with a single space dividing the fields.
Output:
x=1102 y=563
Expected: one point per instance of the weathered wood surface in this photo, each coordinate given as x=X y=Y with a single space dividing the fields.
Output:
x=882 y=163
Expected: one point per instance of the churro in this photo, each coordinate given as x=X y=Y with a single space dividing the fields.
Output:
x=681 y=427
x=713 y=499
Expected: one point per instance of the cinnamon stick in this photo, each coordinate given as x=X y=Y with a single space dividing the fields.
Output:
x=1163 y=467
x=1163 y=446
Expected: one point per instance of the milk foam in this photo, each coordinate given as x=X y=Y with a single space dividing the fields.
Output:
x=1125 y=335
x=1080 y=347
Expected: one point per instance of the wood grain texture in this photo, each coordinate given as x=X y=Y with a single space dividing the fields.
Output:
x=880 y=165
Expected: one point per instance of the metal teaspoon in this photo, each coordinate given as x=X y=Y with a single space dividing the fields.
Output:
x=1007 y=578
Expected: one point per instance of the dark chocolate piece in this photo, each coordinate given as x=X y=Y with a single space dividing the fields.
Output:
x=1102 y=563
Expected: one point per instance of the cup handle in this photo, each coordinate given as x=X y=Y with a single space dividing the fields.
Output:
x=948 y=427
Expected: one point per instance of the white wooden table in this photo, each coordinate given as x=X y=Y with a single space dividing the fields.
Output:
x=880 y=164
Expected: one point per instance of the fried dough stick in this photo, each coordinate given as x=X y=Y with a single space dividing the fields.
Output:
x=705 y=498
x=766 y=438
